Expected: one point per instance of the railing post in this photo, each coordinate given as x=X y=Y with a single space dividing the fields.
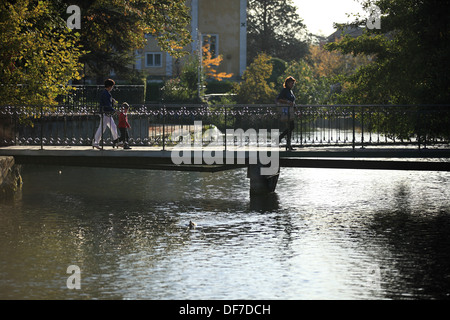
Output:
x=103 y=130
x=42 y=127
x=289 y=135
x=224 y=106
x=418 y=126
x=164 y=128
x=65 y=124
x=362 y=127
x=16 y=116
x=354 y=135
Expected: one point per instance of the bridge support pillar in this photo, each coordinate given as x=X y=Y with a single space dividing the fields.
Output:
x=260 y=184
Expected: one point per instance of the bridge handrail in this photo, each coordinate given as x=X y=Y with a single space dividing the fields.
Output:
x=315 y=125
x=177 y=105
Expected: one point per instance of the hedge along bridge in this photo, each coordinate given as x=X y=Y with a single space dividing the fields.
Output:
x=390 y=137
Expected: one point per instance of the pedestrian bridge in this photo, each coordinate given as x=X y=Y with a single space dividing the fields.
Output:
x=154 y=158
x=187 y=138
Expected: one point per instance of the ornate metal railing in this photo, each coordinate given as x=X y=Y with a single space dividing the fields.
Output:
x=154 y=125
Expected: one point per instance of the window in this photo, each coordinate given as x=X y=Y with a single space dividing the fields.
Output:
x=153 y=59
x=213 y=41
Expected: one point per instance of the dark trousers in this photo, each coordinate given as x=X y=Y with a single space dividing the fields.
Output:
x=288 y=132
x=124 y=135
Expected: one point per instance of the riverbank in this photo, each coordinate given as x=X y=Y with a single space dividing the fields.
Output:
x=10 y=178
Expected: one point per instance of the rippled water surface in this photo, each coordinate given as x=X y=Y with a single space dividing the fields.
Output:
x=325 y=234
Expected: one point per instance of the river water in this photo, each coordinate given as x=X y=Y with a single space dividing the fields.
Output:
x=325 y=234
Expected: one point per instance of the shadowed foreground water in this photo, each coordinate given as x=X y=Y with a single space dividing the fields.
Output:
x=325 y=234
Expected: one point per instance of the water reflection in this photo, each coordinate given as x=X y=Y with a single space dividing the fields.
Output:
x=265 y=203
x=420 y=244
x=325 y=234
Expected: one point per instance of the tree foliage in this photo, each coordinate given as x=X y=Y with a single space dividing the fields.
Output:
x=411 y=53
x=331 y=64
x=210 y=64
x=184 y=88
x=112 y=29
x=38 y=54
x=255 y=88
x=318 y=77
x=308 y=88
x=275 y=28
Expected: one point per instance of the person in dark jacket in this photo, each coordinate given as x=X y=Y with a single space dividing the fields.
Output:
x=287 y=99
x=106 y=112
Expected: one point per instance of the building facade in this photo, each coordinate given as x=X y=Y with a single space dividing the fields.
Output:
x=221 y=23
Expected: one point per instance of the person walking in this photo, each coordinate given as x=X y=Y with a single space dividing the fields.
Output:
x=106 y=113
x=124 y=125
x=286 y=97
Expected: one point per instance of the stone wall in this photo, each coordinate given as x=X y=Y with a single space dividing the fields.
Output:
x=10 y=178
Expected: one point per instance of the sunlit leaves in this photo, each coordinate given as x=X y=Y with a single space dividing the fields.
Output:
x=211 y=63
x=113 y=29
x=39 y=55
x=255 y=87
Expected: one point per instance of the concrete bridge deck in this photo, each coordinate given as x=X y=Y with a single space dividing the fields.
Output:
x=154 y=158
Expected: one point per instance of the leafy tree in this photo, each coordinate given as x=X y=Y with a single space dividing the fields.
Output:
x=255 y=89
x=184 y=87
x=175 y=91
x=275 y=28
x=411 y=53
x=331 y=64
x=278 y=68
x=209 y=64
x=38 y=54
x=189 y=76
x=112 y=29
x=308 y=88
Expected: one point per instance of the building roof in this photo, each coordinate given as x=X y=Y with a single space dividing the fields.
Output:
x=352 y=31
